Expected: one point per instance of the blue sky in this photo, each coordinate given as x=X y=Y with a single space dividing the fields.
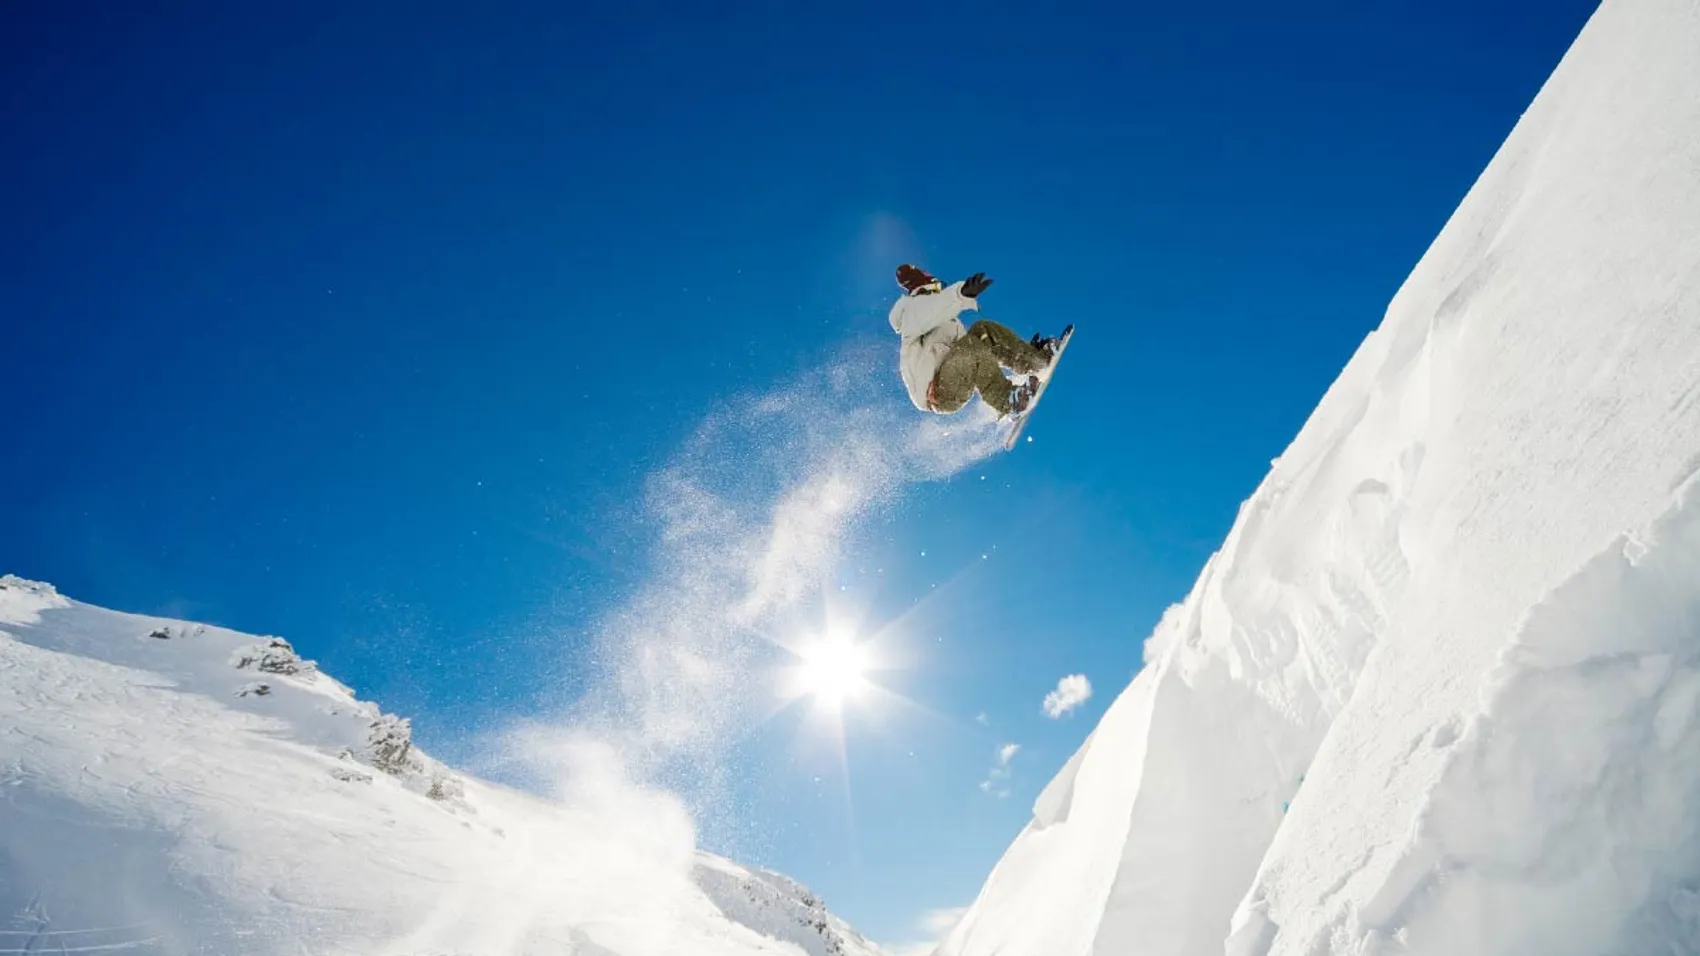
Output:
x=367 y=328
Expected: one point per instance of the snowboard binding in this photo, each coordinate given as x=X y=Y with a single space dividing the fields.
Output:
x=1027 y=394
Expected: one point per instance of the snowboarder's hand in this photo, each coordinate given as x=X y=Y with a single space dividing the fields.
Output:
x=975 y=284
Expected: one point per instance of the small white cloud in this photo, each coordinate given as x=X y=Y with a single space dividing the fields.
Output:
x=997 y=781
x=941 y=921
x=982 y=719
x=934 y=924
x=1071 y=692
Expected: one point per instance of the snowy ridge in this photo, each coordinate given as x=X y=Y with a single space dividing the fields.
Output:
x=168 y=787
x=1435 y=692
x=263 y=677
x=780 y=906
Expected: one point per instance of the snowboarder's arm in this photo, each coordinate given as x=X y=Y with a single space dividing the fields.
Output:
x=916 y=315
x=959 y=299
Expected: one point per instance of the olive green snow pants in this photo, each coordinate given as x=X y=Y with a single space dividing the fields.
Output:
x=975 y=363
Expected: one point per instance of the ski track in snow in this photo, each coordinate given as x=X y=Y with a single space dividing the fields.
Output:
x=1427 y=697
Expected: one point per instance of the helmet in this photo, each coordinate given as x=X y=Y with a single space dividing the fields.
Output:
x=914 y=278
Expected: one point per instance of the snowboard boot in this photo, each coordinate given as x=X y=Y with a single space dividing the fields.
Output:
x=1022 y=395
x=1049 y=345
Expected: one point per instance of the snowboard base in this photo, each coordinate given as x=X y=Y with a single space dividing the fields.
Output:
x=1044 y=377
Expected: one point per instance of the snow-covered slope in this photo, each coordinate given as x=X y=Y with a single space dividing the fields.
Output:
x=168 y=787
x=1437 y=692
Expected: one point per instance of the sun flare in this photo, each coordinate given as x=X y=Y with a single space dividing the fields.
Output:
x=833 y=669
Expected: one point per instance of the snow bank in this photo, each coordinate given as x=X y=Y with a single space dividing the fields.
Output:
x=167 y=787
x=1567 y=819
x=1331 y=748
x=21 y=602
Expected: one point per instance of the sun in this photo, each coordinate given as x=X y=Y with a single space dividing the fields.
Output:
x=833 y=670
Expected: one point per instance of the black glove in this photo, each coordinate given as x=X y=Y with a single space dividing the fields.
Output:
x=975 y=284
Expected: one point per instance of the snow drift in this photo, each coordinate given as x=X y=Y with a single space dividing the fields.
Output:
x=1437 y=692
x=168 y=787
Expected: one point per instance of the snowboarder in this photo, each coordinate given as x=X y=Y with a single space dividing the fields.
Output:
x=944 y=364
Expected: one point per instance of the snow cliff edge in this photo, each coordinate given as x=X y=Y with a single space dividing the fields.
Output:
x=1436 y=692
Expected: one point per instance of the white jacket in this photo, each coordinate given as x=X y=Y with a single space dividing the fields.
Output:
x=929 y=325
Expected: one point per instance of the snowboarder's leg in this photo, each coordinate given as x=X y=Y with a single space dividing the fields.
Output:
x=1010 y=349
x=970 y=366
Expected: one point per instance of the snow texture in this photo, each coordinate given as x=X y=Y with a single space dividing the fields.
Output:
x=171 y=788
x=1436 y=693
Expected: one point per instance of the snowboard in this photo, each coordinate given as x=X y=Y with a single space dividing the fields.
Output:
x=1044 y=377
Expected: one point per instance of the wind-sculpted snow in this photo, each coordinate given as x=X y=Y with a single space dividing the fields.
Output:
x=1331 y=749
x=1567 y=818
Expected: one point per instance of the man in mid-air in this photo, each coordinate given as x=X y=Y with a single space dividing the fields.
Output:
x=944 y=364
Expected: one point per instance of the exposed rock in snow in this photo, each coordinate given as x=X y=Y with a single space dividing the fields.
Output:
x=273 y=655
x=156 y=798
x=389 y=745
x=779 y=906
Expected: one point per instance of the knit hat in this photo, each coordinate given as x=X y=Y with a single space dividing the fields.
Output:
x=914 y=278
